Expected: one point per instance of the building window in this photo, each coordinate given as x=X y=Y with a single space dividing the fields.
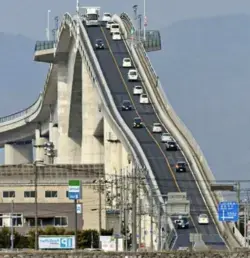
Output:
x=17 y=220
x=61 y=221
x=29 y=194
x=8 y=194
x=67 y=194
x=5 y=220
x=50 y=194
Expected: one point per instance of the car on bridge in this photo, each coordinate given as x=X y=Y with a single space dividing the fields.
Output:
x=106 y=17
x=182 y=223
x=99 y=44
x=126 y=62
x=157 y=128
x=144 y=99
x=137 y=90
x=137 y=122
x=180 y=166
x=203 y=219
x=116 y=36
x=171 y=145
x=132 y=75
x=126 y=105
x=108 y=24
x=166 y=137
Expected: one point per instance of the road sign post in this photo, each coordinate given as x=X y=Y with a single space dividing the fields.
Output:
x=75 y=193
x=228 y=211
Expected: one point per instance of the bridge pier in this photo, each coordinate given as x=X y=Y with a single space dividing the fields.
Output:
x=18 y=153
x=68 y=149
x=92 y=122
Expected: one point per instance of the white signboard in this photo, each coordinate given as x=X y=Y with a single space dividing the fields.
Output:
x=56 y=242
x=109 y=243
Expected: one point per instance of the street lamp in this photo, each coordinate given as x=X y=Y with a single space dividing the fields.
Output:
x=48 y=29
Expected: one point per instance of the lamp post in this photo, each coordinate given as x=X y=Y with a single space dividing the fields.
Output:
x=144 y=20
x=48 y=24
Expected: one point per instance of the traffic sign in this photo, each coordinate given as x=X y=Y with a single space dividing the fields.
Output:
x=228 y=211
x=75 y=189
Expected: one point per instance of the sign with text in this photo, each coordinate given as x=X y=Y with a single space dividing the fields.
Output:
x=228 y=211
x=75 y=189
x=56 y=242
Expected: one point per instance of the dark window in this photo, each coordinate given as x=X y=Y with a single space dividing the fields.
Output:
x=61 y=221
x=67 y=194
x=51 y=194
x=9 y=194
x=29 y=194
x=17 y=220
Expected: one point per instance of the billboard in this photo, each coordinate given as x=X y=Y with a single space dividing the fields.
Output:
x=56 y=242
x=109 y=243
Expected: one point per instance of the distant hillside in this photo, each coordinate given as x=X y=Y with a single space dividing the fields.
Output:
x=21 y=78
x=205 y=69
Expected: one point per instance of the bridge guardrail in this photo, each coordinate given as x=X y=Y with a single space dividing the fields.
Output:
x=127 y=137
x=31 y=110
x=165 y=105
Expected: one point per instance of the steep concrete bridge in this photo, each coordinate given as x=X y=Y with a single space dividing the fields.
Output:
x=80 y=112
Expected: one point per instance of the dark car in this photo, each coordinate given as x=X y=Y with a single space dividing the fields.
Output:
x=126 y=105
x=182 y=223
x=171 y=145
x=99 y=44
x=180 y=167
x=137 y=122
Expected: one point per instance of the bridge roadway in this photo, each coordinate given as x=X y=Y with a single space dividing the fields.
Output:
x=161 y=161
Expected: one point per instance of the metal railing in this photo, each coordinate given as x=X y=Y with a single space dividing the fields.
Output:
x=166 y=106
x=43 y=45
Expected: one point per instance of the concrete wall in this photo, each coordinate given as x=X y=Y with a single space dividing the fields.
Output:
x=80 y=254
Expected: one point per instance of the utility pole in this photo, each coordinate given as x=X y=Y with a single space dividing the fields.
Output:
x=75 y=204
x=238 y=200
x=36 y=208
x=121 y=203
x=159 y=227
x=134 y=209
x=126 y=212
x=151 y=224
x=100 y=205
x=140 y=211
x=166 y=228
x=12 y=226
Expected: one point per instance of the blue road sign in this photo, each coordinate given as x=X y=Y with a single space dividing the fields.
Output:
x=74 y=196
x=228 y=211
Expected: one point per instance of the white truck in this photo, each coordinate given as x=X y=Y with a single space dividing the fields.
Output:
x=91 y=15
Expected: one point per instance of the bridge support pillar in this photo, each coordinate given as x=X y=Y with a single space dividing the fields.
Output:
x=39 y=151
x=92 y=121
x=68 y=149
x=18 y=153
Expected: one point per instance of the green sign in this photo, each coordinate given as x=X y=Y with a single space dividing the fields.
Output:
x=132 y=31
x=74 y=182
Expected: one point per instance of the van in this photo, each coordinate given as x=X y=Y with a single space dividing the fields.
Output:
x=114 y=28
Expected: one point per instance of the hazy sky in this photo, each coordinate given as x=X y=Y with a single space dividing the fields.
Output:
x=29 y=17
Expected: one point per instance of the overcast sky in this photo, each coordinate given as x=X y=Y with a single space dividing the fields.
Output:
x=29 y=17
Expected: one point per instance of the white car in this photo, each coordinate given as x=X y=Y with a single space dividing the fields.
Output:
x=106 y=17
x=132 y=75
x=108 y=24
x=137 y=90
x=203 y=219
x=157 y=128
x=144 y=99
x=165 y=137
x=116 y=36
x=126 y=62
